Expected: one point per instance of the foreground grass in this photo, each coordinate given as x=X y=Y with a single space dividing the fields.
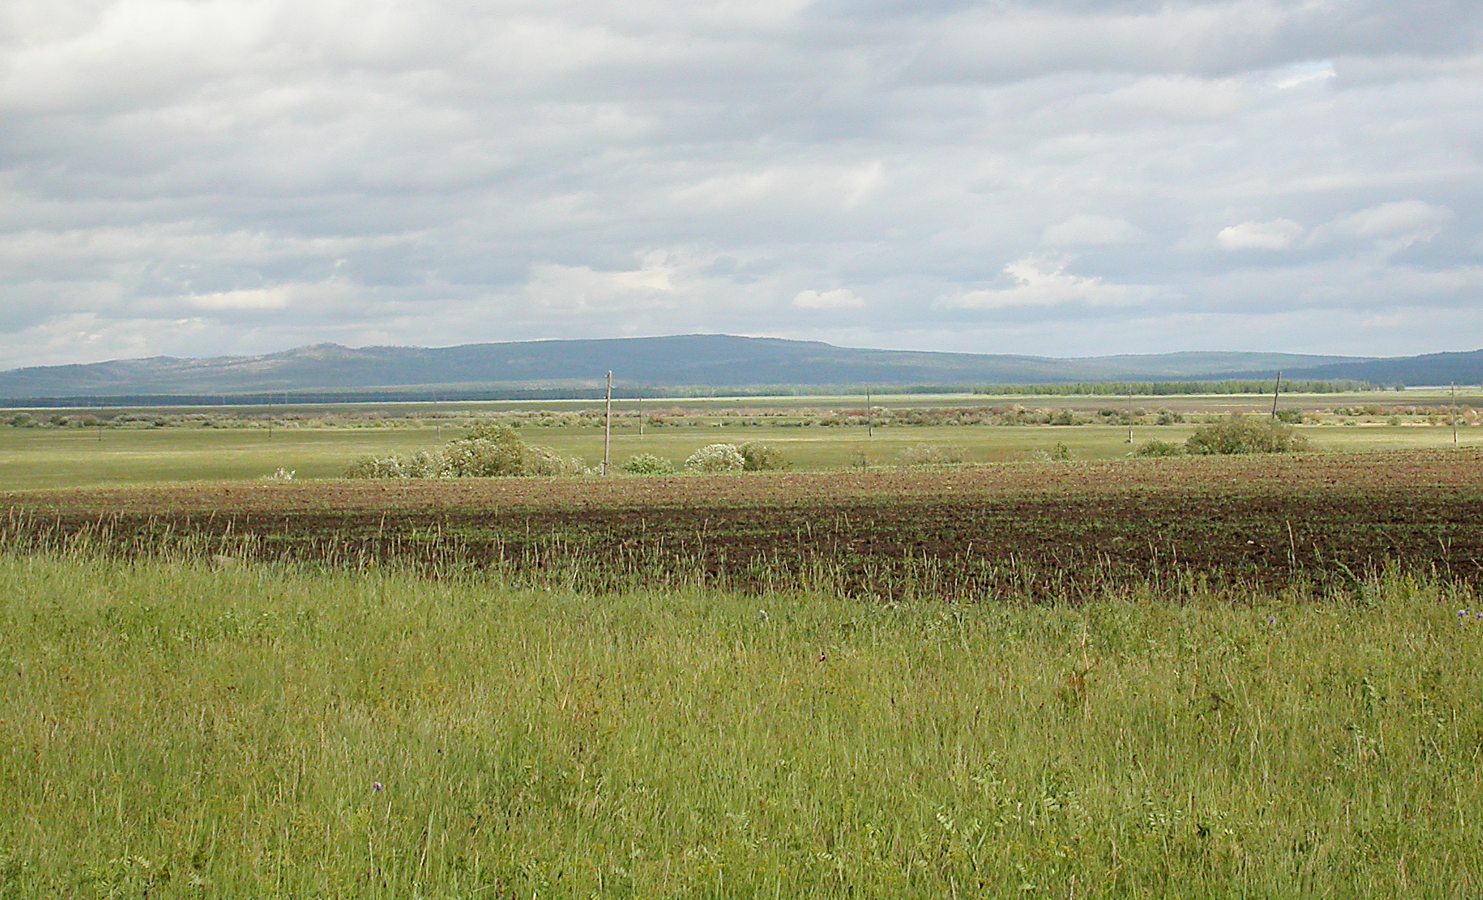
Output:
x=166 y=728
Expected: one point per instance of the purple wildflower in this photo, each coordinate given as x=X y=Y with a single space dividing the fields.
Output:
x=378 y=786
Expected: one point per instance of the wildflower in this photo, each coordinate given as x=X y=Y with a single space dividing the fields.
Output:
x=762 y=615
x=1271 y=620
x=378 y=786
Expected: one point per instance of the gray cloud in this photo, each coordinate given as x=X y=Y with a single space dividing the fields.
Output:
x=1063 y=178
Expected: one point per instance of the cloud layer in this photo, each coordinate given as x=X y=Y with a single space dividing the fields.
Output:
x=1066 y=178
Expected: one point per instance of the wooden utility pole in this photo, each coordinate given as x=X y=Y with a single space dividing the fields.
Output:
x=641 y=413
x=607 y=437
x=1454 y=414
x=869 y=416
x=1130 y=414
x=1275 y=389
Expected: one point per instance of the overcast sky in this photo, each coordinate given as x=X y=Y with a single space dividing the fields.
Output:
x=1062 y=177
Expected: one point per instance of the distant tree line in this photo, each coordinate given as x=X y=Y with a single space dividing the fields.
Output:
x=1165 y=388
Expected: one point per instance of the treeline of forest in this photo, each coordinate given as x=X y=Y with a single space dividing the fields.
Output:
x=1166 y=388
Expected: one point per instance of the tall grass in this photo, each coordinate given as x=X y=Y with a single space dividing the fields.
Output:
x=169 y=727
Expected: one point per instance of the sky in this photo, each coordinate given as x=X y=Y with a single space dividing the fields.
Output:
x=1061 y=178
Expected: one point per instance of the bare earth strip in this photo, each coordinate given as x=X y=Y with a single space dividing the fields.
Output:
x=971 y=532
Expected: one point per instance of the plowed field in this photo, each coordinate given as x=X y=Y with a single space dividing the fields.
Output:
x=1054 y=529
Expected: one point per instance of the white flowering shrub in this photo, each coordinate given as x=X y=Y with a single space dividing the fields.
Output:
x=715 y=458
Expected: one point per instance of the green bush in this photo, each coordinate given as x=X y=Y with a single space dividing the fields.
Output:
x=491 y=451
x=931 y=455
x=648 y=464
x=1238 y=434
x=716 y=458
x=759 y=457
x=1158 y=448
x=379 y=467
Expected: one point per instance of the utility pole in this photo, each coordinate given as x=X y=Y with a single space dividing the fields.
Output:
x=1275 y=389
x=641 y=413
x=607 y=437
x=869 y=415
x=1454 y=414
x=1130 y=414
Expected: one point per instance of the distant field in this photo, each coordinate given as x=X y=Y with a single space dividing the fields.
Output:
x=320 y=442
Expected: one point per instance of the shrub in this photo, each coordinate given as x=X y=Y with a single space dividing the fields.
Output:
x=1237 y=434
x=427 y=464
x=546 y=461
x=648 y=464
x=491 y=451
x=759 y=457
x=714 y=458
x=378 y=467
x=1060 y=452
x=931 y=455
x=1158 y=448
x=496 y=451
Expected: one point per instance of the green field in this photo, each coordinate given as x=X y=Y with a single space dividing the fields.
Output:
x=320 y=442
x=170 y=729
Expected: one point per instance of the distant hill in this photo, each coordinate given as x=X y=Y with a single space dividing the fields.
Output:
x=682 y=361
x=1428 y=369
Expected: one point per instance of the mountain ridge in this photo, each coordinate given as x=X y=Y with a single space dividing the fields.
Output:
x=694 y=360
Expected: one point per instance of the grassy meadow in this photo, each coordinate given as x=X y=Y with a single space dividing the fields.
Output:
x=173 y=728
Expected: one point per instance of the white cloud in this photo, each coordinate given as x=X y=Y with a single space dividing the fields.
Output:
x=229 y=301
x=1038 y=283
x=583 y=289
x=1084 y=230
x=1302 y=73
x=839 y=298
x=1408 y=220
x=1278 y=234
